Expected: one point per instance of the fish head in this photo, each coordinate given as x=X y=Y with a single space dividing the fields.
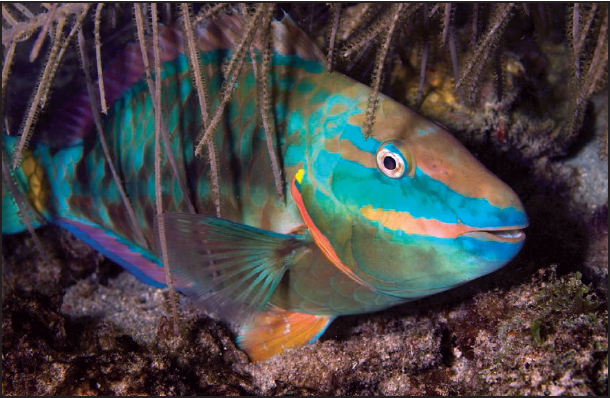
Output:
x=407 y=209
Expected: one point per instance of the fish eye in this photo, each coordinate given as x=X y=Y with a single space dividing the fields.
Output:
x=389 y=163
x=394 y=159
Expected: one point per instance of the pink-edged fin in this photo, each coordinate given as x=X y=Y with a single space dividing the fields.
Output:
x=272 y=331
x=139 y=262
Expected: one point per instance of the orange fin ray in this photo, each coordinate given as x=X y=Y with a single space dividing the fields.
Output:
x=272 y=331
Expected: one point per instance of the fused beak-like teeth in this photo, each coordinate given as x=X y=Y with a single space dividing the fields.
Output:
x=509 y=235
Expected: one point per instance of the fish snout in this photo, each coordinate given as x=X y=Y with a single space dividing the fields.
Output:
x=507 y=223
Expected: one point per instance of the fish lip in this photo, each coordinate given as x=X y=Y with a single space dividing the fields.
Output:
x=511 y=234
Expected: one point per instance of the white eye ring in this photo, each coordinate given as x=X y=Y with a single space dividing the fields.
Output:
x=394 y=160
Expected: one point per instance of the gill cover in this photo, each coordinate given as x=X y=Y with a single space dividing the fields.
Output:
x=407 y=211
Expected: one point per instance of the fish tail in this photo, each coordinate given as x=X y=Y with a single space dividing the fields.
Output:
x=25 y=189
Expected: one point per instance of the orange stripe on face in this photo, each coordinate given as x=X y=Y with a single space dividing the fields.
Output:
x=349 y=151
x=319 y=238
x=402 y=221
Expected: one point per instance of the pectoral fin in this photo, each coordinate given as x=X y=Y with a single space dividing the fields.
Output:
x=233 y=268
x=272 y=331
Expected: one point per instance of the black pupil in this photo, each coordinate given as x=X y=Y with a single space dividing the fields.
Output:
x=389 y=163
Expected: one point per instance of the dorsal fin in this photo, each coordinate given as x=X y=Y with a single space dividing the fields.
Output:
x=288 y=38
x=75 y=120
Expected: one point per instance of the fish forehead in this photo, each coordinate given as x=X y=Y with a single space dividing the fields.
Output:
x=437 y=153
x=449 y=184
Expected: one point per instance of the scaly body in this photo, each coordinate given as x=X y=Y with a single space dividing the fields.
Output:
x=368 y=221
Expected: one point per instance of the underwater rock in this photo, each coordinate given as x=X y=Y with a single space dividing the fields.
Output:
x=547 y=335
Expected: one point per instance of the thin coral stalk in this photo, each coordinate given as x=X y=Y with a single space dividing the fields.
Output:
x=356 y=59
x=6 y=14
x=435 y=9
x=75 y=27
x=379 y=62
x=472 y=72
x=453 y=52
x=526 y=9
x=594 y=72
x=43 y=33
x=156 y=100
x=214 y=176
x=159 y=204
x=231 y=67
x=23 y=28
x=98 y=57
x=194 y=63
x=209 y=12
x=336 y=13
x=447 y=19
x=475 y=24
x=358 y=17
x=266 y=113
x=39 y=100
x=232 y=72
x=578 y=36
x=6 y=67
x=365 y=37
x=33 y=109
x=28 y=14
x=202 y=95
x=575 y=24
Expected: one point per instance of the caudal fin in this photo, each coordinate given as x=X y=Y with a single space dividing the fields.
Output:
x=25 y=189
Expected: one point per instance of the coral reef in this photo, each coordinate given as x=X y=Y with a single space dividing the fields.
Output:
x=544 y=335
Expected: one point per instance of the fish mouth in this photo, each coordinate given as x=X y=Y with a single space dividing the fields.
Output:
x=513 y=234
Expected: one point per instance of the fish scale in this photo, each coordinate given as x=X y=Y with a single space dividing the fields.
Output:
x=369 y=221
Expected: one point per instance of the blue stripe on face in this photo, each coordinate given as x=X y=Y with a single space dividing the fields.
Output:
x=356 y=186
x=420 y=196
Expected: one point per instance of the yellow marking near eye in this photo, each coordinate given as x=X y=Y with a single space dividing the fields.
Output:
x=299 y=175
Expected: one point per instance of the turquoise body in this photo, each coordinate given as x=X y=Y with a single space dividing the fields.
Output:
x=370 y=221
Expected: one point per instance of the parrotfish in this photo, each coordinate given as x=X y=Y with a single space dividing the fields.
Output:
x=369 y=220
